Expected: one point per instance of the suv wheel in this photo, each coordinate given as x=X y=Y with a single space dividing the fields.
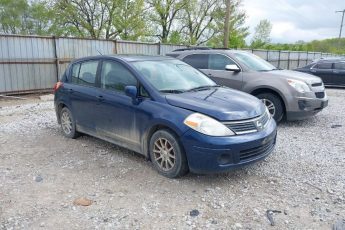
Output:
x=166 y=154
x=68 y=123
x=273 y=104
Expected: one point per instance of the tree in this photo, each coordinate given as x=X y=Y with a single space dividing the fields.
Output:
x=227 y=24
x=262 y=34
x=163 y=15
x=129 y=19
x=237 y=29
x=12 y=16
x=199 y=20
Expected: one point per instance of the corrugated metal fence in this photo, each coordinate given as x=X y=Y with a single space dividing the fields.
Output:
x=34 y=63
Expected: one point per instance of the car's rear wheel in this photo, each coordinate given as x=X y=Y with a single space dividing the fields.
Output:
x=273 y=104
x=68 y=123
x=166 y=154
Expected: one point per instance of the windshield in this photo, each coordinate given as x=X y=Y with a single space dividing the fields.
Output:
x=254 y=62
x=172 y=76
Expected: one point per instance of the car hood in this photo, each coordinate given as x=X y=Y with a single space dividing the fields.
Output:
x=221 y=103
x=295 y=75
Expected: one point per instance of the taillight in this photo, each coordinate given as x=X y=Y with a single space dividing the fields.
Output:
x=57 y=85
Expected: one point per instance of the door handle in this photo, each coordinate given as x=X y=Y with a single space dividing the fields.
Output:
x=100 y=98
x=70 y=90
x=210 y=74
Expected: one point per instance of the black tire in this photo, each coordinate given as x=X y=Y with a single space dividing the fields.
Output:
x=71 y=132
x=164 y=144
x=277 y=103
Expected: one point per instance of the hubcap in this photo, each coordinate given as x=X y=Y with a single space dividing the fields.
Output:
x=164 y=154
x=66 y=122
x=270 y=106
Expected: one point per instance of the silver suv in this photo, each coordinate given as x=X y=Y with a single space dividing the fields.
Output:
x=292 y=94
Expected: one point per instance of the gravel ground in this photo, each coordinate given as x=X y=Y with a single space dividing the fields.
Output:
x=300 y=186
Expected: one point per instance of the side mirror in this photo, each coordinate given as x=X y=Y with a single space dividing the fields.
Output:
x=233 y=68
x=131 y=91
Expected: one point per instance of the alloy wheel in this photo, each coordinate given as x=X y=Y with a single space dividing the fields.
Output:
x=270 y=106
x=164 y=154
x=66 y=122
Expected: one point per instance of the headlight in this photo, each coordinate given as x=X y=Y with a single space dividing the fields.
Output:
x=300 y=86
x=207 y=125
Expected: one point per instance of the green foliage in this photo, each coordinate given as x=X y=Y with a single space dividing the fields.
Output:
x=332 y=45
x=262 y=34
x=238 y=32
x=13 y=16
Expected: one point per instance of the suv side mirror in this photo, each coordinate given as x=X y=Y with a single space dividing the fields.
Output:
x=233 y=68
x=131 y=91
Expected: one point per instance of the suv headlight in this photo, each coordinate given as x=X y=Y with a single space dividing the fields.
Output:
x=207 y=125
x=300 y=86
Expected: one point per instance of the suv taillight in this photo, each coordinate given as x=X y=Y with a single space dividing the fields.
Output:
x=57 y=85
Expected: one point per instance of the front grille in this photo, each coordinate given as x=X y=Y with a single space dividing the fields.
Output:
x=320 y=94
x=249 y=126
x=317 y=84
x=257 y=151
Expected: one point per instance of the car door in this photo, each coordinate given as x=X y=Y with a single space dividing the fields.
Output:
x=82 y=92
x=339 y=73
x=213 y=65
x=324 y=71
x=116 y=119
x=217 y=71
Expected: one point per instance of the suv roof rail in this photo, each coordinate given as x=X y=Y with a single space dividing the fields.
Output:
x=192 y=48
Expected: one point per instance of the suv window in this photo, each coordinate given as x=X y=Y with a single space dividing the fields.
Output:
x=115 y=76
x=219 y=61
x=199 y=61
x=324 y=65
x=339 y=65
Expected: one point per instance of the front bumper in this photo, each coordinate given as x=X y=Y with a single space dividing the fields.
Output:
x=304 y=107
x=206 y=154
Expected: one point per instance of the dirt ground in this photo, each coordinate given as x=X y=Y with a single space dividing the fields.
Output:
x=301 y=185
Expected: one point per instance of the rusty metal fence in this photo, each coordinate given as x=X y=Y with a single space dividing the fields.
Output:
x=34 y=63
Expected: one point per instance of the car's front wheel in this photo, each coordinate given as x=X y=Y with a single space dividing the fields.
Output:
x=273 y=104
x=166 y=154
x=68 y=125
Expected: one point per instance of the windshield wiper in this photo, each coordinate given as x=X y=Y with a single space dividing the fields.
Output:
x=172 y=91
x=205 y=87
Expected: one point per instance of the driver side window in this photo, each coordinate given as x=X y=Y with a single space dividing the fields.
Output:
x=219 y=61
x=115 y=76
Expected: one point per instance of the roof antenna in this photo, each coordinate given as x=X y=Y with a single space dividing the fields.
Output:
x=99 y=52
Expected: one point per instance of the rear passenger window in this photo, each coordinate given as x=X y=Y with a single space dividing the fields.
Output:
x=324 y=65
x=115 y=76
x=75 y=73
x=87 y=73
x=199 y=61
x=339 y=65
x=218 y=62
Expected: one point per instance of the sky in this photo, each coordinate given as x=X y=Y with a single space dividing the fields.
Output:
x=294 y=20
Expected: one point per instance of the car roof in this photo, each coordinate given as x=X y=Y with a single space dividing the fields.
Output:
x=196 y=51
x=330 y=59
x=128 y=57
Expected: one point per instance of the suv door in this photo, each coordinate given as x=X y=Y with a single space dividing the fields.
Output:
x=116 y=114
x=217 y=71
x=82 y=92
x=213 y=65
x=339 y=73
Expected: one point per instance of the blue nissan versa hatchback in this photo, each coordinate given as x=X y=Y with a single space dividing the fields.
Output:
x=166 y=110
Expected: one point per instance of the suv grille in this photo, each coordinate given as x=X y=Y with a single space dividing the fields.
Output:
x=249 y=126
x=320 y=94
x=257 y=151
x=316 y=84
